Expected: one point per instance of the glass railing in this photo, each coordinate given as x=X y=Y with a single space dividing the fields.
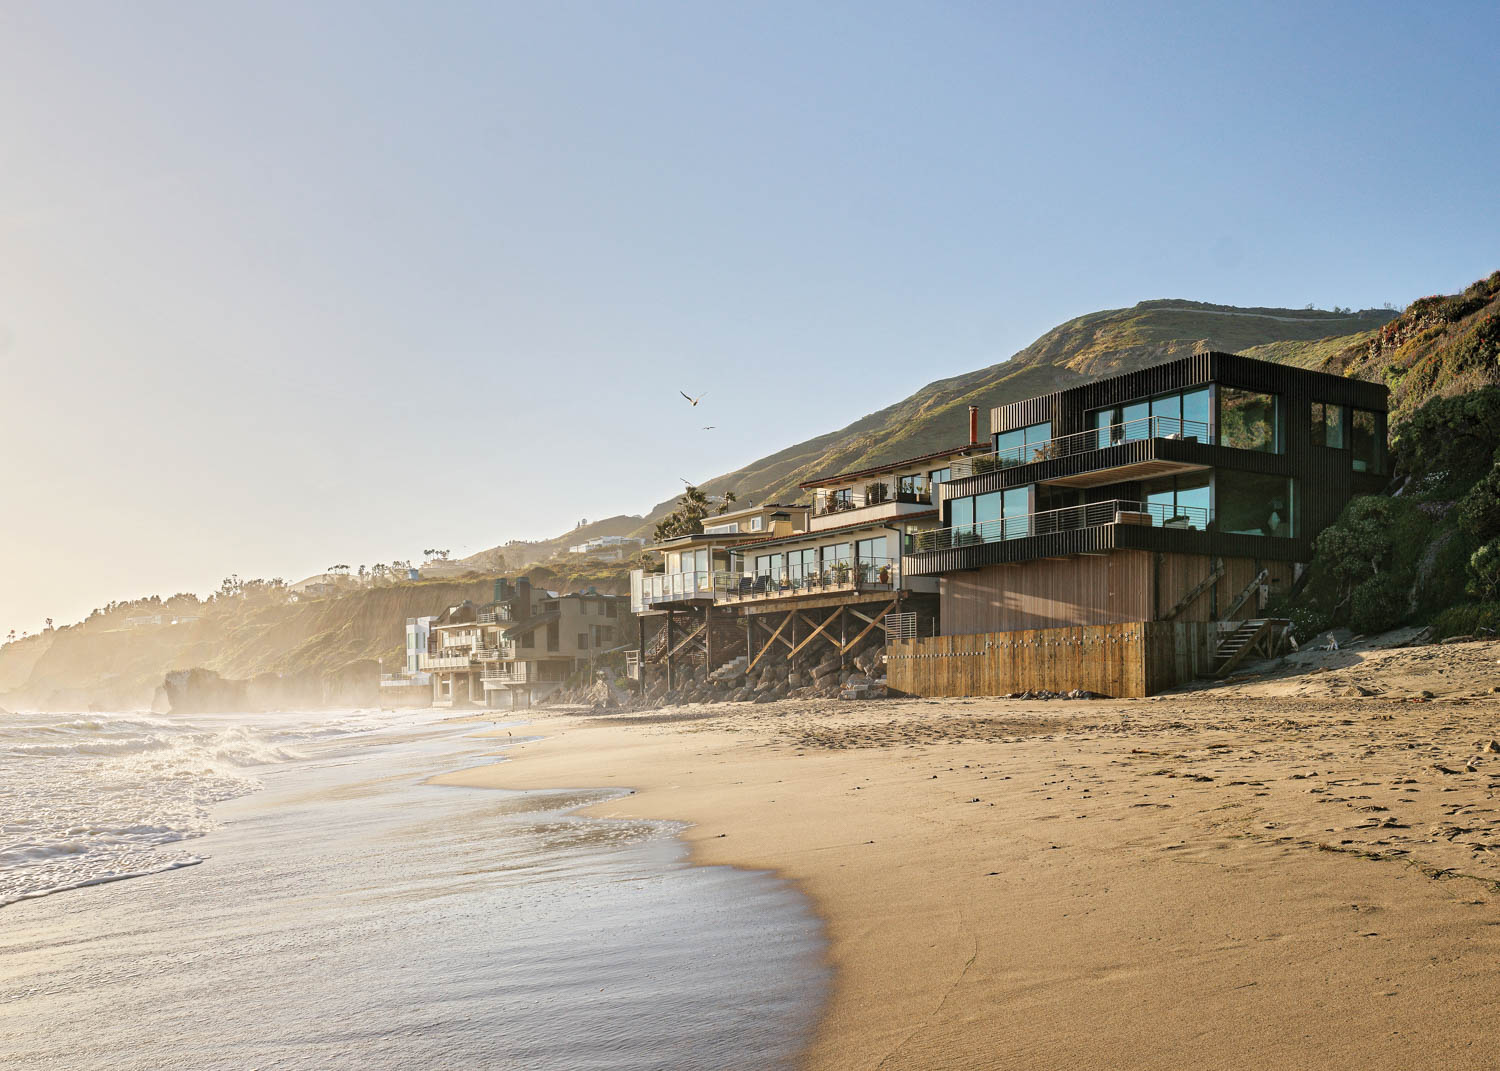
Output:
x=917 y=489
x=844 y=574
x=1080 y=442
x=1067 y=519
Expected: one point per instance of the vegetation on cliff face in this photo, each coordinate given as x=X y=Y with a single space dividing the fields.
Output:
x=1429 y=550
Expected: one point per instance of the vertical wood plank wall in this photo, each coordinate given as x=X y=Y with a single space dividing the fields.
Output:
x=1127 y=660
x=1101 y=589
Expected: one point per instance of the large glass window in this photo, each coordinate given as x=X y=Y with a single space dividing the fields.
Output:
x=871 y=550
x=1197 y=413
x=837 y=554
x=1327 y=422
x=1247 y=420
x=1368 y=451
x=1179 y=501
x=937 y=476
x=1250 y=503
x=1016 y=509
x=1021 y=445
x=1184 y=413
x=802 y=564
x=990 y=517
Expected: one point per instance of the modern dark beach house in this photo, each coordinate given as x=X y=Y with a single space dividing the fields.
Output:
x=1189 y=492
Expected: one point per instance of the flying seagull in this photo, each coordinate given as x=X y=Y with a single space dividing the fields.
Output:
x=693 y=401
x=709 y=427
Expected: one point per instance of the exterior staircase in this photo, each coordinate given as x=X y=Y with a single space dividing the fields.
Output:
x=1262 y=634
x=735 y=667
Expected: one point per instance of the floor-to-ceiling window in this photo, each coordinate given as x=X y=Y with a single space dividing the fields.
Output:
x=990 y=517
x=1179 y=501
x=1185 y=413
x=1022 y=445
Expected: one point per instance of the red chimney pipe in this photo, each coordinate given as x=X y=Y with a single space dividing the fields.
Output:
x=973 y=425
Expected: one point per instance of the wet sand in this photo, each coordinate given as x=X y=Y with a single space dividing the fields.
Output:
x=1283 y=872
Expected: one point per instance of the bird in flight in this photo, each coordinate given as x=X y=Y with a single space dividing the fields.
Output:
x=691 y=400
x=709 y=427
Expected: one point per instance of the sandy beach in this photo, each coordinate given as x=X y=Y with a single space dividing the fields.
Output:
x=1298 y=869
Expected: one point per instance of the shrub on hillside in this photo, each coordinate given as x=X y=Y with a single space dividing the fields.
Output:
x=1478 y=512
x=1471 y=619
x=1484 y=572
x=1450 y=443
x=1378 y=604
x=1376 y=537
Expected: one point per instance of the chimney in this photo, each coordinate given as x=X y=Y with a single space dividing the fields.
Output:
x=781 y=524
x=973 y=425
x=523 y=598
x=502 y=589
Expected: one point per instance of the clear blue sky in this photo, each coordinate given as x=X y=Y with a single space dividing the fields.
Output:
x=287 y=284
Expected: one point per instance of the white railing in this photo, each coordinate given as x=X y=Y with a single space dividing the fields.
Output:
x=1080 y=442
x=1067 y=519
x=429 y=661
x=656 y=588
x=909 y=489
x=521 y=673
x=459 y=639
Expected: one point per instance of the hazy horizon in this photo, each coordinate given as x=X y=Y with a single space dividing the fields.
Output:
x=282 y=287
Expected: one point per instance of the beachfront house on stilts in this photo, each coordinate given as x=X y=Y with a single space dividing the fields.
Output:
x=807 y=588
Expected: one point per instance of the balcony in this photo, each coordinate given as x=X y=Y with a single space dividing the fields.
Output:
x=656 y=589
x=910 y=490
x=1130 y=465
x=459 y=640
x=866 y=574
x=1054 y=521
x=519 y=673
x=498 y=616
x=443 y=661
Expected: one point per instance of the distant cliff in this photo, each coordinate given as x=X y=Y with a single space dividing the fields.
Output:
x=312 y=645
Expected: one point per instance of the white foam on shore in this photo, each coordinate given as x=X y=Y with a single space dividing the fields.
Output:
x=92 y=798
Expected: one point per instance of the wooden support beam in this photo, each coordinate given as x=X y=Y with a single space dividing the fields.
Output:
x=774 y=637
x=836 y=615
x=871 y=625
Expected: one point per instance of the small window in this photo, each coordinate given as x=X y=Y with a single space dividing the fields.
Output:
x=1365 y=443
x=583 y=641
x=554 y=637
x=1327 y=425
x=937 y=476
x=757 y=524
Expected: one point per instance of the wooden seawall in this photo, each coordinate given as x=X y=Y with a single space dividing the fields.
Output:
x=1123 y=661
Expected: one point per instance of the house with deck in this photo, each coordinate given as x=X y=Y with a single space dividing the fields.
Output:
x=1185 y=493
x=806 y=580
x=517 y=650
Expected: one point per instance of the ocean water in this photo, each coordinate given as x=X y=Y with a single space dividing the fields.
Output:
x=299 y=897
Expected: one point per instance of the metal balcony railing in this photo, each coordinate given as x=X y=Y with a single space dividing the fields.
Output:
x=443 y=661
x=496 y=617
x=1067 y=519
x=1080 y=442
x=673 y=587
x=843 y=574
